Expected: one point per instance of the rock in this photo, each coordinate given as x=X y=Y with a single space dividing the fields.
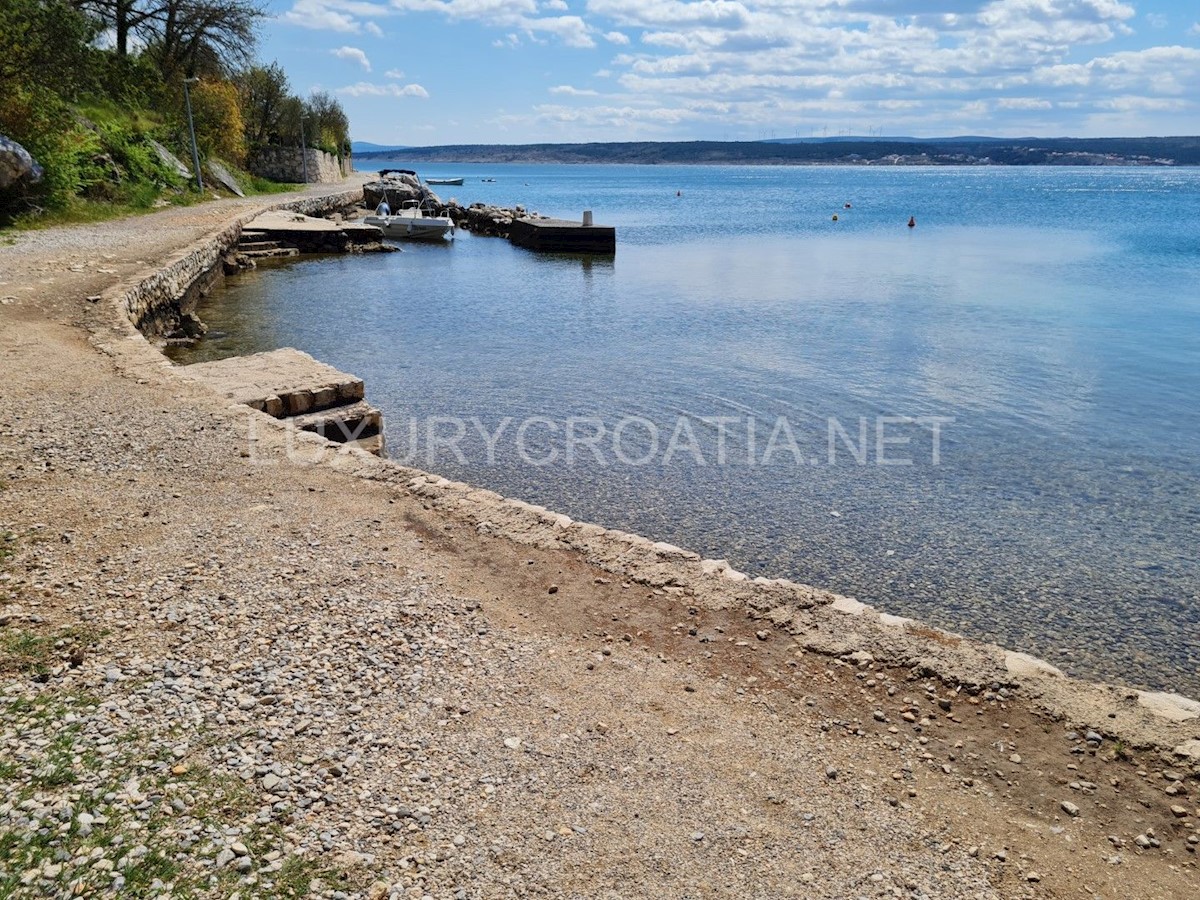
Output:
x=1094 y=737
x=1033 y=877
x=16 y=165
x=170 y=160
x=1189 y=750
x=222 y=176
x=270 y=781
x=1069 y=808
x=1178 y=811
x=512 y=743
x=1142 y=841
x=1022 y=665
x=831 y=773
x=225 y=857
x=1169 y=706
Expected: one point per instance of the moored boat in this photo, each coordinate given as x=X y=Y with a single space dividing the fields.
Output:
x=443 y=180
x=412 y=222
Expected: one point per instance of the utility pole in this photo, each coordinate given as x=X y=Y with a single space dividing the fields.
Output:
x=187 y=99
x=303 y=150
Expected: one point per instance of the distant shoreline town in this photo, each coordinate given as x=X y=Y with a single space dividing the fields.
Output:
x=966 y=151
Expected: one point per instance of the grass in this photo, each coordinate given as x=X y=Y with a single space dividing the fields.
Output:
x=36 y=653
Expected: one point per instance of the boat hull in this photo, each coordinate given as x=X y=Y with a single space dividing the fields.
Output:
x=412 y=228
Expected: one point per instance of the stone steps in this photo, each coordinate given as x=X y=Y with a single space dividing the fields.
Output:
x=343 y=424
x=276 y=253
x=290 y=385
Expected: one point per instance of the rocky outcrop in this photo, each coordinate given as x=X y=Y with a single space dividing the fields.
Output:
x=16 y=165
x=222 y=176
x=170 y=160
x=492 y=221
x=399 y=187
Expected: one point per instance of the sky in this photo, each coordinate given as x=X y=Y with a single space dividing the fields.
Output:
x=427 y=72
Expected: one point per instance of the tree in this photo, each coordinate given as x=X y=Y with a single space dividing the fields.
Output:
x=206 y=37
x=327 y=124
x=44 y=42
x=213 y=37
x=264 y=94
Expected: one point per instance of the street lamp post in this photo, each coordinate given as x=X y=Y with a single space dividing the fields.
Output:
x=303 y=150
x=187 y=99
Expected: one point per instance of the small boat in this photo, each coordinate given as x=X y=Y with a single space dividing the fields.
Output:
x=443 y=181
x=488 y=180
x=412 y=223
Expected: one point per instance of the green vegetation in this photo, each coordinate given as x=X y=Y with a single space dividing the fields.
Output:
x=88 y=86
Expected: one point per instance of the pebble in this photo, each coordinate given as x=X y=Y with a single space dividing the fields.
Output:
x=1069 y=808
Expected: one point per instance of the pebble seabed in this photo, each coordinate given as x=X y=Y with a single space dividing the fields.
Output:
x=247 y=706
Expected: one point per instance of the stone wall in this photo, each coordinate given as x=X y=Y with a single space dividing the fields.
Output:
x=286 y=164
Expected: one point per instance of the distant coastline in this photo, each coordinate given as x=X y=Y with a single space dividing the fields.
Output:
x=971 y=151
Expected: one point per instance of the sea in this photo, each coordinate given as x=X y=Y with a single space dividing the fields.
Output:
x=988 y=420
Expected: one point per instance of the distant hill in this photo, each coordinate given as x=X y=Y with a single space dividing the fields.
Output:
x=357 y=147
x=900 y=139
x=1180 y=151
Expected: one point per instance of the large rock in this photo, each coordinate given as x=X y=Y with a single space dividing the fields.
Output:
x=398 y=188
x=170 y=160
x=16 y=165
x=223 y=177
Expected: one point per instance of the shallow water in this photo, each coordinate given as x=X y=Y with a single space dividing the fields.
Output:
x=1046 y=320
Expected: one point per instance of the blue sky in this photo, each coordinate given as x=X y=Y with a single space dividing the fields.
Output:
x=421 y=72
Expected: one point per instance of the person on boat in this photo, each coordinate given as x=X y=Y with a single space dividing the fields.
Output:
x=383 y=209
x=912 y=221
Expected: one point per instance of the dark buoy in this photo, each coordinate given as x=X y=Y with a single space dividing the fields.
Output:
x=835 y=217
x=847 y=206
x=679 y=193
x=912 y=221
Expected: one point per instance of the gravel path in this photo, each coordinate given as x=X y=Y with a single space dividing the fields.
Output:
x=225 y=676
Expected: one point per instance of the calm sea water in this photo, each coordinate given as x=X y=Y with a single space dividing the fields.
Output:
x=1046 y=320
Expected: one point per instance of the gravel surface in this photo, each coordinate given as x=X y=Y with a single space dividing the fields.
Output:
x=231 y=675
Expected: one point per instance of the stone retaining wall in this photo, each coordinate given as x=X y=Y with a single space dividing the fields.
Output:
x=287 y=165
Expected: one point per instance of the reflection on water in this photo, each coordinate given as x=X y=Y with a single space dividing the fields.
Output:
x=1052 y=315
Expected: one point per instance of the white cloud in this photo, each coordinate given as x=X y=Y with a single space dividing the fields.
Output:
x=366 y=89
x=394 y=73
x=372 y=28
x=1156 y=20
x=354 y=55
x=757 y=65
x=571 y=30
x=1023 y=103
x=573 y=91
x=342 y=16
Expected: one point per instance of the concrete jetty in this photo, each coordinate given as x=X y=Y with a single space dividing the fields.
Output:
x=562 y=236
x=281 y=232
x=289 y=384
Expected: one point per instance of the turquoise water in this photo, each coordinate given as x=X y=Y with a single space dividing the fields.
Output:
x=1046 y=320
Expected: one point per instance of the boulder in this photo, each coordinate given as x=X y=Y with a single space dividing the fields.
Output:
x=222 y=176
x=170 y=160
x=398 y=188
x=16 y=165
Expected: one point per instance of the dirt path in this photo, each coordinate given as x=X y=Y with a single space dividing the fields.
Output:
x=233 y=673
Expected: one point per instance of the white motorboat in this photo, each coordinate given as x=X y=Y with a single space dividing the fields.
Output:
x=412 y=222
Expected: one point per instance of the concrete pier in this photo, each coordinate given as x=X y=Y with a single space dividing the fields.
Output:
x=289 y=384
x=561 y=236
x=281 y=232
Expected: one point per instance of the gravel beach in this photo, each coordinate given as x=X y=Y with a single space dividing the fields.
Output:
x=227 y=670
